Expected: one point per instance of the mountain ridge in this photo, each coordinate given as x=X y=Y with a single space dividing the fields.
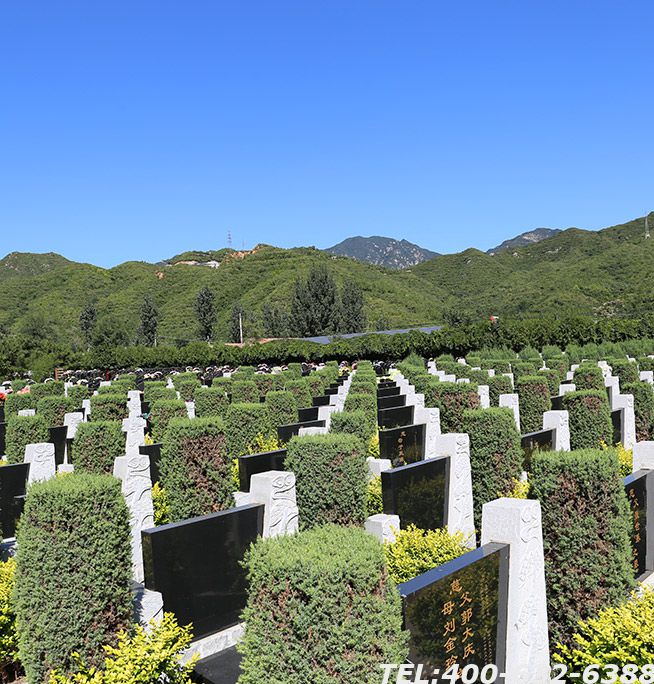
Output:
x=382 y=251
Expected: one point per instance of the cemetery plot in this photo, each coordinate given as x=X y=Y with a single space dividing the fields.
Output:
x=391 y=402
x=259 y=463
x=395 y=417
x=640 y=492
x=286 y=432
x=388 y=391
x=403 y=445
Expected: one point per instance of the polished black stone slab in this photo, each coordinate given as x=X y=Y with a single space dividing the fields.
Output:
x=402 y=445
x=285 y=432
x=391 y=402
x=3 y=433
x=543 y=440
x=13 y=483
x=390 y=391
x=418 y=493
x=457 y=612
x=383 y=384
x=196 y=565
x=222 y=668
x=58 y=438
x=331 y=391
x=310 y=413
x=258 y=463
x=154 y=452
x=395 y=417
x=639 y=488
x=557 y=403
x=322 y=400
x=616 y=420
x=2 y=412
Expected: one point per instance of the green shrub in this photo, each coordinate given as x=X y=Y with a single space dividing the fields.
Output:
x=417 y=551
x=21 y=431
x=109 y=407
x=619 y=635
x=8 y=635
x=498 y=365
x=245 y=392
x=355 y=401
x=453 y=400
x=321 y=609
x=626 y=370
x=521 y=369
x=300 y=390
x=179 y=378
x=161 y=412
x=267 y=382
x=78 y=393
x=478 y=377
x=153 y=394
x=359 y=423
x=73 y=572
x=643 y=408
x=211 y=401
x=96 y=446
x=187 y=388
x=495 y=455
x=375 y=499
x=646 y=364
x=586 y=534
x=294 y=369
x=553 y=379
x=590 y=419
x=589 y=377
x=534 y=397
x=160 y=504
x=18 y=402
x=52 y=409
x=331 y=479
x=498 y=384
x=112 y=389
x=54 y=388
x=245 y=372
x=195 y=467
x=244 y=423
x=317 y=384
x=281 y=407
x=142 y=656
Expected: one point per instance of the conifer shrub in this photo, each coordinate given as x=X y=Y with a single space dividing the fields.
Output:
x=646 y=364
x=53 y=409
x=317 y=384
x=360 y=423
x=21 y=431
x=589 y=377
x=109 y=407
x=626 y=370
x=331 y=479
x=294 y=369
x=335 y=580
x=498 y=384
x=244 y=423
x=152 y=394
x=211 y=401
x=643 y=394
x=478 y=377
x=522 y=368
x=161 y=413
x=187 y=388
x=245 y=392
x=18 y=402
x=245 y=372
x=112 y=389
x=364 y=387
x=534 y=397
x=590 y=419
x=195 y=467
x=498 y=365
x=553 y=379
x=281 y=407
x=53 y=388
x=78 y=393
x=300 y=389
x=267 y=382
x=73 y=572
x=453 y=400
x=9 y=664
x=357 y=401
x=97 y=445
x=180 y=378
x=496 y=456
x=586 y=535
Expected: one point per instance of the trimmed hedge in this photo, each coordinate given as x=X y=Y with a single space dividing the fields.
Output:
x=211 y=401
x=267 y=382
x=161 y=413
x=109 y=407
x=317 y=384
x=590 y=419
x=586 y=535
x=52 y=409
x=300 y=390
x=453 y=400
x=331 y=475
x=187 y=388
x=244 y=422
x=21 y=431
x=521 y=369
x=281 y=407
x=321 y=608
x=553 y=379
x=498 y=365
x=54 y=388
x=643 y=408
x=195 y=468
x=245 y=392
x=626 y=370
x=152 y=394
x=73 y=572
x=96 y=446
x=356 y=401
x=18 y=402
x=534 y=397
x=589 y=377
x=498 y=384
x=357 y=423
x=496 y=456
x=78 y=393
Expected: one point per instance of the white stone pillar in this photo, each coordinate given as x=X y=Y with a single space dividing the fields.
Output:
x=647 y=376
x=484 y=396
x=275 y=489
x=431 y=417
x=559 y=421
x=377 y=465
x=625 y=403
x=517 y=522
x=41 y=457
x=383 y=526
x=567 y=387
x=511 y=401
x=643 y=456
x=25 y=413
x=72 y=421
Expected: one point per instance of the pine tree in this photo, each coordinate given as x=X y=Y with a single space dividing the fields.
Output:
x=300 y=306
x=205 y=312
x=147 y=332
x=353 y=315
x=275 y=321
x=87 y=320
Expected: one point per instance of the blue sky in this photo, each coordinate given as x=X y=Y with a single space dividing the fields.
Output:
x=138 y=130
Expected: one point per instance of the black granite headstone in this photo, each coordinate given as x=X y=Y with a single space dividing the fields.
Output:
x=310 y=413
x=639 y=488
x=331 y=391
x=258 y=463
x=222 y=668
x=3 y=432
x=154 y=452
x=457 y=612
x=395 y=417
x=13 y=483
x=402 y=445
x=418 y=493
x=616 y=419
x=557 y=403
x=391 y=391
x=322 y=400
x=391 y=402
x=58 y=438
x=543 y=440
x=285 y=432
x=196 y=565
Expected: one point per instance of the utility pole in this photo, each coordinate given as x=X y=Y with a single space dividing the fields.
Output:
x=647 y=226
x=240 y=325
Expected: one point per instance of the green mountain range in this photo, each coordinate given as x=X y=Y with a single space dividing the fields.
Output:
x=603 y=273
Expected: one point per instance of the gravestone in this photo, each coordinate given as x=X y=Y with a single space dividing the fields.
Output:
x=391 y=402
x=457 y=612
x=418 y=493
x=153 y=452
x=196 y=565
x=13 y=483
x=41 y=458
x=402 y=445
x=395 y=417
x=286 y=432
x=323 y=400
x=307 y=414
x=543 y=440
x=388 y=391
x=58 y=436
x=252 y=464
x=3 y=443
x=639 y=487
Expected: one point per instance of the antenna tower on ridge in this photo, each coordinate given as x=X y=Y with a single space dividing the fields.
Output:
x=229 y=238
